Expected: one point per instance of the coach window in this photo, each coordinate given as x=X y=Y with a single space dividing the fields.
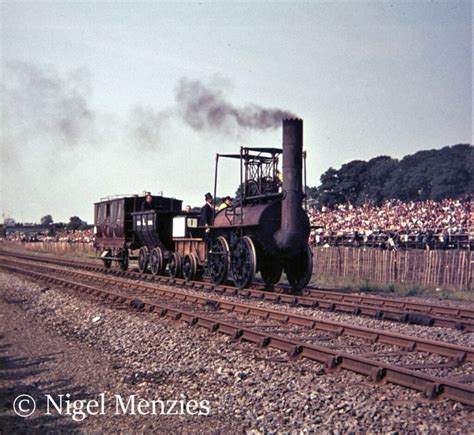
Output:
x=119 y=211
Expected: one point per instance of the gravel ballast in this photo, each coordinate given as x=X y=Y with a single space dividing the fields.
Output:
x=55 y=342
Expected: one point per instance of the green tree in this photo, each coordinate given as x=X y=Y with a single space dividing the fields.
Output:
x=378 y=171
x=46 y=220
x=327 y=190
x=433 y=174
x=429 y=174
x=351 y=180
x=311 y=192
x=75 y=223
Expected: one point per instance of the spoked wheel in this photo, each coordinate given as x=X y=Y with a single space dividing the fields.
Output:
x=190 y=266
x=143 y=258
x=218 y=260
x=123 y=259
x=157 y=261
x=298 y=269
x=243 y=262
x=174 y=265
x=271 y=270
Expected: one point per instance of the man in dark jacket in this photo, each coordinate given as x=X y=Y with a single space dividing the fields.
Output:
x=147 y=204
x=207 y=212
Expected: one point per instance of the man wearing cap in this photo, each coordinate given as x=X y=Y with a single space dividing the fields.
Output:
x=226 y=203
x=206 y=217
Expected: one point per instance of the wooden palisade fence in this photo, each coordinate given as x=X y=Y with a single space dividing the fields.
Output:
x=430 y=268
x=453 y=268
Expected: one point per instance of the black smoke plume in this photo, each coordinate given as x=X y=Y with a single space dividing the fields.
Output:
x=40 y=105
x=205 y=108
x=145 y=127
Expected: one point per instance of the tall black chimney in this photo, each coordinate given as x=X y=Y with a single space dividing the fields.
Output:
x=292 y=238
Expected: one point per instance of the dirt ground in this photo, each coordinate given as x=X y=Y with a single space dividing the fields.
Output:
x=54 y=344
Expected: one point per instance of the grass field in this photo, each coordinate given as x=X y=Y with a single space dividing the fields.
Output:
x=395 y=288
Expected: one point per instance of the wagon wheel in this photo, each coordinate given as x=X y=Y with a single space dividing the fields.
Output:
x=243 y=262
x=157 y=261
x=143 y=258
x=271 y=270
x=199 y=273
x=174 y=265
x=107 y=261
x=218 y=260
x=189 y=266
x=123 y=259
x=299 y=269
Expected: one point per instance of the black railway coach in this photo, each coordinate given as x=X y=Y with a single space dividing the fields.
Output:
x=116 y=233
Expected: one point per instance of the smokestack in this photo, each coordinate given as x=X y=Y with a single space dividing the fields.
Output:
x=292 y=237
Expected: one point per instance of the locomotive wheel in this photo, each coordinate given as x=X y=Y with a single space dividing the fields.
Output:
x=243 y=262
x=190 y=266
x=299 y=269
x=123 y=259
x=271 y=270
x=157 y=261
x=143 y=257
x=174 y=265
x=218 y=260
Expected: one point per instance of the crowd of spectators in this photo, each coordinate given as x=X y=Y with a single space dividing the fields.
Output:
x=395 y=224
x=69 y=236
x=392 y=225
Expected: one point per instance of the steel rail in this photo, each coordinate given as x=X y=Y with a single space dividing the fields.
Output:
x=378 y=372
x=388 y=309
x=460 y=353
x=378 y=301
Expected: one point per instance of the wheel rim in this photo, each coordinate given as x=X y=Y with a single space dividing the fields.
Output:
x=299 y=269
x=243 y=262
x=156 y=261
x=218 y=260
x=123 y=259
x=143 y=260
x=271 y=270
x=175 y=265
x=189 y=266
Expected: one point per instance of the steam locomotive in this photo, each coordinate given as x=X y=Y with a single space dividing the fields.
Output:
x=265 y=231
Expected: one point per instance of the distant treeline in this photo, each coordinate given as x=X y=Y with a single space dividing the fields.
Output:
x=433 y=174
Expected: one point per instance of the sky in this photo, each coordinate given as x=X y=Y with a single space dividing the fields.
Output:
x=105 y=98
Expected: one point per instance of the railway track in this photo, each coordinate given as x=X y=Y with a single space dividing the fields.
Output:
x=392 y=309
x=435 y=368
